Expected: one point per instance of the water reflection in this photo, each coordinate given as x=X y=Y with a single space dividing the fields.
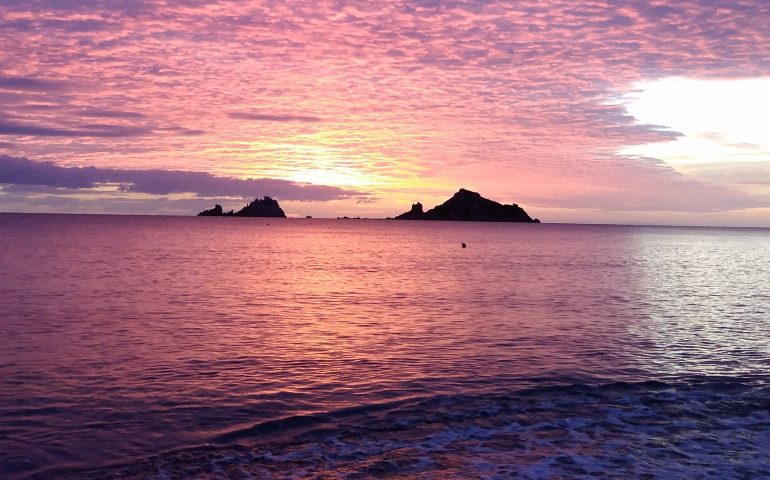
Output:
x=127 y=336
x=706 y=301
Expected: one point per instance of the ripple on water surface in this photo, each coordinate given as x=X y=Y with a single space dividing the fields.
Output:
x=702 y=429
x=234 y=345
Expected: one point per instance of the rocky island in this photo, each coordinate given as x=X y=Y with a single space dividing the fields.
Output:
x=469 y=206
x=265 y=207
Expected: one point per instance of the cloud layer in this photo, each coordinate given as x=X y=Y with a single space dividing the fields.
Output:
x=516 y=99
x=22 y=174
x=264 y=117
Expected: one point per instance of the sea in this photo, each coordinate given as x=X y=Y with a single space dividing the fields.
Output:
x=142 y=347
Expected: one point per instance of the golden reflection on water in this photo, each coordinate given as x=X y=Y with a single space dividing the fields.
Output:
x=167 y=331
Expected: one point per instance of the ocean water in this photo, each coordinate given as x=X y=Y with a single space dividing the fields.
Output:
x=167 y=347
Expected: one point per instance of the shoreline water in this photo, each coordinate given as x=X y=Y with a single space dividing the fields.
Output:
x=615 y=430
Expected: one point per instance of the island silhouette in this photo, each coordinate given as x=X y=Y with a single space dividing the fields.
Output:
x=464 y=205
x=469 y=206
x=265 y=207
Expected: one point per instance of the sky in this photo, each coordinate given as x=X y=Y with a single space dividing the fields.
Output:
x=600 y=111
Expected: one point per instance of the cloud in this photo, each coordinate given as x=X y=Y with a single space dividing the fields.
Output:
x=106 y=131
x=20 y=172
x=11 y=201
x=687 y=196
x=262 y=117
x=185 y=132
x=522 y=98
x=32 y=84
x=104 y=113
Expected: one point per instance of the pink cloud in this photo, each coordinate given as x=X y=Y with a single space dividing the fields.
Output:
x=510 y=94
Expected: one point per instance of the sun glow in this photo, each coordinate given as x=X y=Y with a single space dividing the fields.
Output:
x=721 y=121
x=339 y=177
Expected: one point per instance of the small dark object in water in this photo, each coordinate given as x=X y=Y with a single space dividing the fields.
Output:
x=463 y=244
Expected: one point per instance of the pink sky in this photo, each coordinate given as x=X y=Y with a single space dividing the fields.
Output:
x=376 y=104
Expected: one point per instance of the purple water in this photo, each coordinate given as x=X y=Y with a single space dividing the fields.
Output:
x=163 y=347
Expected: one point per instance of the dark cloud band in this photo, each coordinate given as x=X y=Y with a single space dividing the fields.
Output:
x=102 y=113
x=104 y=131
x=22 y=171
x=261 y=117
x=32 y=84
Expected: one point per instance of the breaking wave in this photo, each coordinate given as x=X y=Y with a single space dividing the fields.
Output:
x=702 y=428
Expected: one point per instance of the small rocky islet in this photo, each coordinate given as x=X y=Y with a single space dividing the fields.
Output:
x=468 y=206
x=464 y=205
x=264 y=207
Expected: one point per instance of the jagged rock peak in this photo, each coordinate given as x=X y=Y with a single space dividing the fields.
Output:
x=214 y=212
x=414 y=214
x=265 y=207
x=466 y=205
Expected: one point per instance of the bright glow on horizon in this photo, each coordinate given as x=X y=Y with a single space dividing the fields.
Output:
x=721 y=121
x=362 y=108
x=336 y=176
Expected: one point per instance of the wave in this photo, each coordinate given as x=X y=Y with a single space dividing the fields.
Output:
x=701 y=428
